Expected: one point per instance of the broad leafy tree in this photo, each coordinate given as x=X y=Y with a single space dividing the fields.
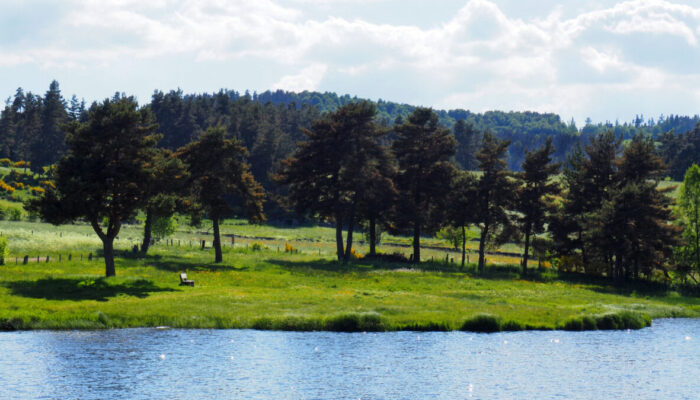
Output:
x=103 y=177
x=423 y=149
x=220 y=180
x=689 y=217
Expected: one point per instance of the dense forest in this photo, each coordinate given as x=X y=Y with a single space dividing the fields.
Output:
x=269 y=125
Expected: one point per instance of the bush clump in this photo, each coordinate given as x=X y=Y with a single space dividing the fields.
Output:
x=512 y=326
x=355 y=322
x=608 y=321
x=4 y=250
x=486 y=323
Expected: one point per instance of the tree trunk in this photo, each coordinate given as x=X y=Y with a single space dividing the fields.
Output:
x=107 y=243
x=618 y=273
x=464 y=244
x=339 y=237
x=147 y=232
x=526 y=253
x=584 y=255
x=416 y=241
x=482 y=246
x=218 y=257
x=351 y=228
x=372 y=235
x=108 y=249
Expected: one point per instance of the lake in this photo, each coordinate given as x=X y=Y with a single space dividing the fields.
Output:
x=661 y=362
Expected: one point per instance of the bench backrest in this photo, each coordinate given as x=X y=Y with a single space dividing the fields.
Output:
x=183 y=276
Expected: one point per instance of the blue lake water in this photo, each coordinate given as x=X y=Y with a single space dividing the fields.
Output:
x=661 y=362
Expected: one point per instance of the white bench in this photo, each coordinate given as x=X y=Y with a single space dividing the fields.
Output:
x=184 y=281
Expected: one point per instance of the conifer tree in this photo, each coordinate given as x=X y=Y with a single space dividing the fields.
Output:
x=166 y=192
x=460 y=207
x=104 y=175
x=220 y=180
x=537 y=186
x=495 y=195
x=332 y=173
x=423 y=149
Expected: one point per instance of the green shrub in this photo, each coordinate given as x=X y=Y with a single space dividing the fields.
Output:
x=482 y=323
x=609 y=321
x=4 y=250
x=15 y=214
x=512 y=326
x=256 y=246
x=355 y=322
x=163 y=227
x=288 y=323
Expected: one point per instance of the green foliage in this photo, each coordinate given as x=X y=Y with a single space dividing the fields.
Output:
x=105 y=172
x=164 y=227
x=688 y=211
x=452 y=235
x=336 y=170
x=495 y=195
x=608 y=321
x=422 y=149
x=355 y=322
x=15 y=214
x=220 y=179
x=482 y=323
x=4 y=249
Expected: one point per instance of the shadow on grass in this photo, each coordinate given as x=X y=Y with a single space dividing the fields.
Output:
x=178 y=265
x=82 y=289
x=361 y=265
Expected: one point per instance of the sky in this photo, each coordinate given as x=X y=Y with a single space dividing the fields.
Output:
x=600 y=59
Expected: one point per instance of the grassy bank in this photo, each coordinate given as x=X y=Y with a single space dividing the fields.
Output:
x=271 y=289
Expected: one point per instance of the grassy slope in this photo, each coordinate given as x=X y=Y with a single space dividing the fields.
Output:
x=275 y=290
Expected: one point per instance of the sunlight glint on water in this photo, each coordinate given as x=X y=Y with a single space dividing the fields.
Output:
x=658 y=362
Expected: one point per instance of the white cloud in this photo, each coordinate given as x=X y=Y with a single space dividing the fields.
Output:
x=307 y=79
x=479 y=57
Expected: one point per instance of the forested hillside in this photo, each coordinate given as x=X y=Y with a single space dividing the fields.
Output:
x=270 y=123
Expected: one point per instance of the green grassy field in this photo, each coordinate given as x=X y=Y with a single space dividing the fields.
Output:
x=308 y=290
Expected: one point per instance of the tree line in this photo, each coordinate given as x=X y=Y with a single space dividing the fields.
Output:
x=603 y=214
x=269 y=125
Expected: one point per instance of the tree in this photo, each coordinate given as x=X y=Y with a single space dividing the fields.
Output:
x=104 y=175
x=379 y=195
x=423 y=149
x=495 y=195
x=460 y=206
x=589 y=176
x=689 y=216
x=166 y=192
x=532 y=200
x=50 y=143
x=220 y=179
x=334 y=173
x=468 y=145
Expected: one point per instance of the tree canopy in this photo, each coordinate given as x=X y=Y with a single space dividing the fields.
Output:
x=104 y=175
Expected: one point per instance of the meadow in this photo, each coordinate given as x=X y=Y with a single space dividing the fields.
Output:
x=260 y=285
